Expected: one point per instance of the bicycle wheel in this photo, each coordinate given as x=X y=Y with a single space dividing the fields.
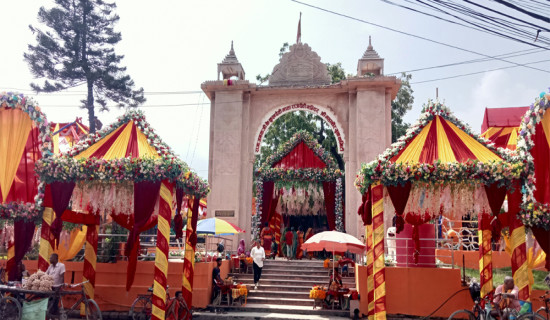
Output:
x=542 y=312
x=531 y=316
x=92 y=310
x=462 y=314
x=141 y=309
x=10 y=309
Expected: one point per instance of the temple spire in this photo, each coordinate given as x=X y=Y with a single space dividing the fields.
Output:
x=299 y=35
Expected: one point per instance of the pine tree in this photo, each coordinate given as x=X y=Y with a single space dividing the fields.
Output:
x=75 y=46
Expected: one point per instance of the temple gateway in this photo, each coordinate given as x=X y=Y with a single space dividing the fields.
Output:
x=358 y=110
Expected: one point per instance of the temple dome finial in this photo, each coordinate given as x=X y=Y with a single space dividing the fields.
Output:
x=370 y=62
x=230 y=66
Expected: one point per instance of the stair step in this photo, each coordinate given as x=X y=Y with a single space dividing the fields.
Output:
x=277 y=287
x=281 y=301
x=290 y=311
x=283 y=294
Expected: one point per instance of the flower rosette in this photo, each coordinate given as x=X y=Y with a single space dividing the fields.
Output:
x=30 y=211
x=533 y=213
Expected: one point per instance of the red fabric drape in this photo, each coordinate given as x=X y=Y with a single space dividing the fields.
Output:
x=101 y=151
x=61 y=193
x=541 y=157
x=178 y=219
x=23 y=233
x=267 y=197
x=329 y=191
x=132 y=149
x=543 y=238
x=273 y=206
x=430 y=151
x=300 y=157
x=365 y=201
x=192 y=237
x=25 y=185
x=461 y=151
x=146 y=194
x=399 y=196
x=495 y=196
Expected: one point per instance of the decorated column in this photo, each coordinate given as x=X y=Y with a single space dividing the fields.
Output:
x=161 y=254
x=370 y=272
x=485 y=254
x=520 y=270
x=90 y=260
x=46 y=240
x=190 y=243
x=378 y=251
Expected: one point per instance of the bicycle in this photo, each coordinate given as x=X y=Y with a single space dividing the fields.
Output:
x=91 y=309
x=543 y=313
x=477 y=312
x=142 y=307
x=10 y=308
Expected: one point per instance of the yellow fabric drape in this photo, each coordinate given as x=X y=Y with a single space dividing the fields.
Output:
x=88 y=152
x=15 y=126
x=119 y=146
x=414 y=149
x=145 y=149
x=481 y=152
x=55 y=140
x=444 y=150
x=69 y=249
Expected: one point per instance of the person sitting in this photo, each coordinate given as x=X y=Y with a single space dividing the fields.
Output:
x=506 y=299
x=177 y=308
x=334 y=285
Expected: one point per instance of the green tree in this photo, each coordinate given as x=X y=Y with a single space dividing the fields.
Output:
x=75 y=46
x=402 y=103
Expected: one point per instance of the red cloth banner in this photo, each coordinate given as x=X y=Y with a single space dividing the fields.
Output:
x=23 y=233
x=329 y=191
x=146 y=194
x=399 y=196
x=191 y=240
x=541 y=159
x=267 y=197
x=365 y=209
x=132 y=150
x=495 y=196
x=61 y=193
x=178 y=219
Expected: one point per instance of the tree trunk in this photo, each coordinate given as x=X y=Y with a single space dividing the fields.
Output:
x=90 y=106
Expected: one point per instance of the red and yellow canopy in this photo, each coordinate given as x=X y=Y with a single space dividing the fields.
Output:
x=125 y=141
x=501 y=126
x=442 y=140
x=503 y=137
x=67 y=134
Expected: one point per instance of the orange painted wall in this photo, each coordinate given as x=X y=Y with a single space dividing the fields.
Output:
x=501 y=259
x=111 y=292
x=418 y=291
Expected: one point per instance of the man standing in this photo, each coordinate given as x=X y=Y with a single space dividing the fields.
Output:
x=56 y=270
x=258 y=256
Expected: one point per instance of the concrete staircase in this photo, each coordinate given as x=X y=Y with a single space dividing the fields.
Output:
x=284 y=289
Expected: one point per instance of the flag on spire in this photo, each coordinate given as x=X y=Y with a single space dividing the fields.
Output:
x=299 y=35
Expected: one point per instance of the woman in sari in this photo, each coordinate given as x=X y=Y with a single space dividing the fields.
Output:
x=300 y=236
x=267 y=236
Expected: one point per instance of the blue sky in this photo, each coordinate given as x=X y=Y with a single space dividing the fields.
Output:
x=175 y=45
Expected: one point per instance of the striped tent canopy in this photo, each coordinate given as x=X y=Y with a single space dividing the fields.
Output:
x=65 y=135
x=439 y=148
x=501 y=126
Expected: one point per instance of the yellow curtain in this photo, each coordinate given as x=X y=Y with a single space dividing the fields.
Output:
x=145 y=149
x=56 y=140
x=15 y=126
x=69 y=247
x=444 y=149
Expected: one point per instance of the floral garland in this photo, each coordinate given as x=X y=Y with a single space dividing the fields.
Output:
x=19 y=210
x=65 y=167
x=389 y=173
x=339 y=212
x=308 y=174
x=533 y=213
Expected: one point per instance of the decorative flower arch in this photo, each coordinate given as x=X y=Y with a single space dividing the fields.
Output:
x=268 y=173
x=30 y=211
